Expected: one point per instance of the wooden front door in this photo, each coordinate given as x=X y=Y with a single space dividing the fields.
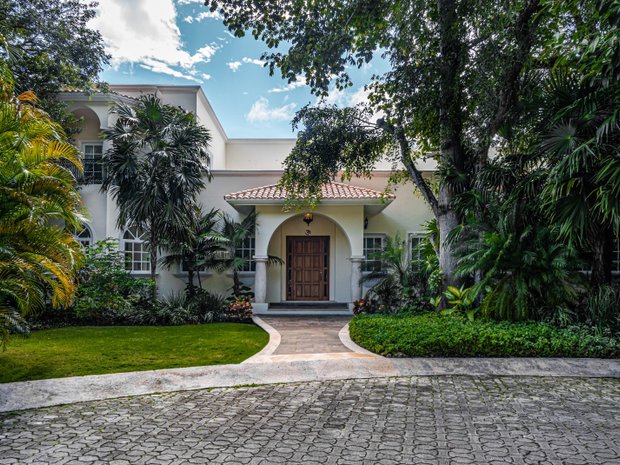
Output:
x=307 y=267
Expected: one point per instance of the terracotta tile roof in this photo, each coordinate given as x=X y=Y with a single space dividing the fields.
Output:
x=332 y=190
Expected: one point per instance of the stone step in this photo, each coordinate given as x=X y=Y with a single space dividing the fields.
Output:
x=309 y=305
x=304 y=312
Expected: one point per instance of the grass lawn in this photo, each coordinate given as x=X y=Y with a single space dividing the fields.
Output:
x=87 y=350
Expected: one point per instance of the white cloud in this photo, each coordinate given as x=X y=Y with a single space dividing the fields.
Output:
x=261 y=112
x=360 y=96
x=300 y=82
x=145 y=32
x=253 y=61
x=234 y=65
x=206 y=76
x=159 y=67
x=335 y=97
x=201 y=16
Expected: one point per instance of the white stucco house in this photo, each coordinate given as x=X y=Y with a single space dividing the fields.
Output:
x=323 y=259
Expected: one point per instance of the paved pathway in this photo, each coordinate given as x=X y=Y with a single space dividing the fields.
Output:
x=386 y=421
x=308 y=335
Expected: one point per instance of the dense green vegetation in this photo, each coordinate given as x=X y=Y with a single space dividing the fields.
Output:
x=155 y=169
x=517 y=102
x=49 y=47
x=80 y=351
x=436 y=335
x=39 y=208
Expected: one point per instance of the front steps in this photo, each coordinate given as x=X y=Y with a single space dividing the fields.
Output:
x=304 y=309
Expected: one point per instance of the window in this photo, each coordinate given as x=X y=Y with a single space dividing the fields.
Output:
x=246 y=250
x=137 y=258
x=372 y=244
x=93 y=168
x=415 y=239
x=85 y=236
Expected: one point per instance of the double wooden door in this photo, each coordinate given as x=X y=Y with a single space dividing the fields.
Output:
x=307 y=265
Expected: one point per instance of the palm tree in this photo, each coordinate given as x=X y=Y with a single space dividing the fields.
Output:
x=397 y=280
x=38 y=208
x=580 y=148
x=197 y=250
x=235 y=233
x=155 y=169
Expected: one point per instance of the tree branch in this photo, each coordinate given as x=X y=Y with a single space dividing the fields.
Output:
x=414 y=173
x=525 y=28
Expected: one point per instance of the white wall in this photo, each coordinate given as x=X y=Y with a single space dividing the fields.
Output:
x=257 y=154
x=246 y=163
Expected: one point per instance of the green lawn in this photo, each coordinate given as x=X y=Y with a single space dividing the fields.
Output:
x=57 y=353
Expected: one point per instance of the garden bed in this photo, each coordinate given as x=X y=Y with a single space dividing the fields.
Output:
x=76 y=351
x=436 y=335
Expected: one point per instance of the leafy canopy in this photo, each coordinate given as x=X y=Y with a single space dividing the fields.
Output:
x=39 y=206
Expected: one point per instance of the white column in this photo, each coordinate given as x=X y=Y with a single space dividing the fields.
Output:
x=260 y=280
x=356 y=275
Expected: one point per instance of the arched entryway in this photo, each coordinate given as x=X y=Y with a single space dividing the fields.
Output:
x=316 y=258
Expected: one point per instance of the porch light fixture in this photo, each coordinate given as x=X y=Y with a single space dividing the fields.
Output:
x=308 y=218
x=366 y=223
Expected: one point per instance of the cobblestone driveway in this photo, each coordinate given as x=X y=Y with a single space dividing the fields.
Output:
x=424 y=420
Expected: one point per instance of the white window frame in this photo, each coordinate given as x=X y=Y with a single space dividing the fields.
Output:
x=145 y=262
x=248 y=252
x=85 y=242
x=420 y=236
x=366 y=251
x=89 y=177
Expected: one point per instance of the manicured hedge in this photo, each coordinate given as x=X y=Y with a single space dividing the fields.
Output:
x=436 y=335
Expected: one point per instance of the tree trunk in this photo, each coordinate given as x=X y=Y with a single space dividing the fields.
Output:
x=602 y=249
x=451 y=159
x=447 y=220
x=153 y=252
x=191 y=291
x=236 y=284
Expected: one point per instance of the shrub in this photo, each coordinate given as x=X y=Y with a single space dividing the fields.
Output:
x=438 y=335
x=601 y=309
x=239 y=309
x=107 y=292
x=172 y=310
x=209 y=307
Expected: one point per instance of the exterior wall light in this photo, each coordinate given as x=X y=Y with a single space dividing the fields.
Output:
x=365 y=222
x=308 y=218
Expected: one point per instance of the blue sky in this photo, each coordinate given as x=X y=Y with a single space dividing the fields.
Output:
x=181 y=42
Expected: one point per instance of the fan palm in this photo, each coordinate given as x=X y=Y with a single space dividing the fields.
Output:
x=581 y=152
x=155 y=169
x=235 y=233
x=400 y=279
x=38 y=207
x=197 y=250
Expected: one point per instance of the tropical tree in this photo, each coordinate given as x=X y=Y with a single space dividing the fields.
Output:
x=580 y=148
x=456 y=77
x=581 y=130
x=38 y=208
x=50 y=46
x=155 y=169
x=235 y=234
x=198 y=250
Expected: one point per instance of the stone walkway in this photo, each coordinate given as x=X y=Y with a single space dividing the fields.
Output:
x=387 y=421
x=308 y=335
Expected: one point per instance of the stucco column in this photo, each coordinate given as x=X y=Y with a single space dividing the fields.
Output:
x=356 y=275
x=260 y=280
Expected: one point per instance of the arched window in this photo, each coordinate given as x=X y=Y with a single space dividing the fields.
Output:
x=137 y=258
x=85 y=236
